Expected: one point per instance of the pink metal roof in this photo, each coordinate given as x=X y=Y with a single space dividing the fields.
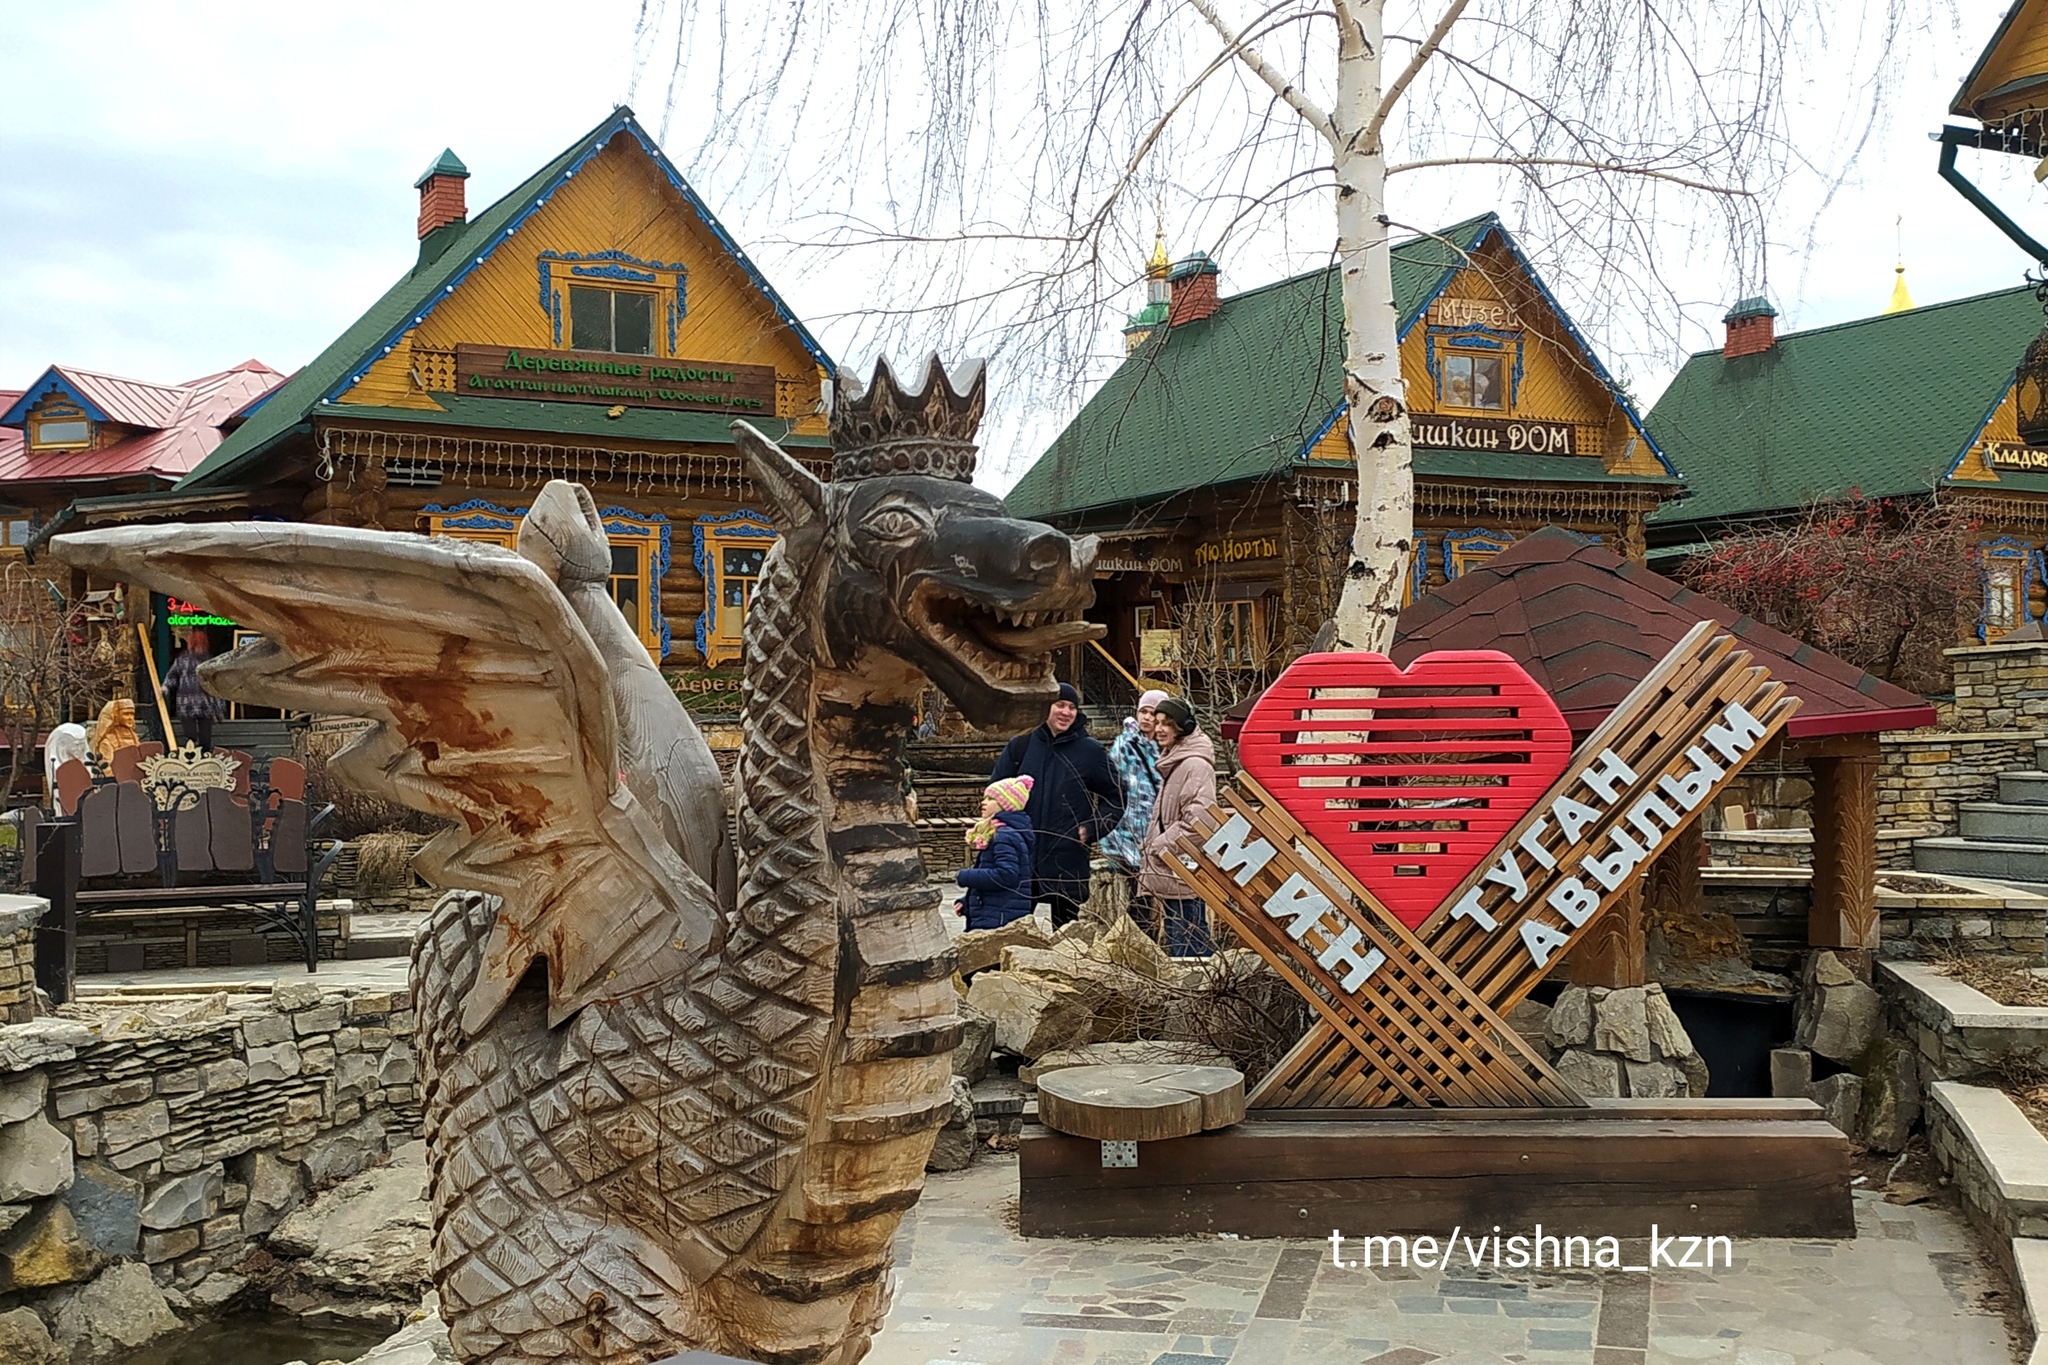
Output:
x=181 y=425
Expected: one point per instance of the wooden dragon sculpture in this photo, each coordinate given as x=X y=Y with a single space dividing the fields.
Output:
x=667 y=1108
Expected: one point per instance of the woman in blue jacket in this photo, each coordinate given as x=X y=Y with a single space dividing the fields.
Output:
x=999 y=883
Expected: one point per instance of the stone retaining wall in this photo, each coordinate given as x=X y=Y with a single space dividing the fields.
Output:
x=1958 y=1032
x=1996 y=1158
x=18 y=918
x=174 y=1132
x=2001 y=687
x=1922 y=775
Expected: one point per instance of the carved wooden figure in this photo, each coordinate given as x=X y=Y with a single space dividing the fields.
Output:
x=668 y=1106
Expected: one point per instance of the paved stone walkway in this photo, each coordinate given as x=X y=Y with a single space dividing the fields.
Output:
x=1911 y=1289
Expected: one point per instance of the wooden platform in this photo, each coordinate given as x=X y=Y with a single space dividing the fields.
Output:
x=1739 y=1168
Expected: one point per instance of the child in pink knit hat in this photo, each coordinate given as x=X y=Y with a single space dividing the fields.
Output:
x=999 y=883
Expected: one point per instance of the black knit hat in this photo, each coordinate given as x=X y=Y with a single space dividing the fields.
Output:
x=1069 y=695
x=1176 y=711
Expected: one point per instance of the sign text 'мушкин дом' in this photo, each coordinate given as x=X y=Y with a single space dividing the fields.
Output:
x=1507 y=435
x=636 y=381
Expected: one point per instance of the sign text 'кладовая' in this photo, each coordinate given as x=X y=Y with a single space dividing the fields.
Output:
x=636 y=381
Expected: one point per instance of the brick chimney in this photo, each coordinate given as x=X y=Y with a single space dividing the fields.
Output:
x=440 y=190
x=1752 y=329
x=1191 y=286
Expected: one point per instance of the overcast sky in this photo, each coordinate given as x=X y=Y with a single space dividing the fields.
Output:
x=193 y=184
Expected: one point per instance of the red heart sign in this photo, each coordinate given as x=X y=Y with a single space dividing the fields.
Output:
x=1411 y=778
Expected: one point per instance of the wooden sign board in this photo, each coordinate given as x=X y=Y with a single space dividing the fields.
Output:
x=1417 y=1016
x=1499 y=435
x=634 y=381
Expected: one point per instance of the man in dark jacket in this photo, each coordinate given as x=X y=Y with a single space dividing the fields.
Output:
x=1075 y=800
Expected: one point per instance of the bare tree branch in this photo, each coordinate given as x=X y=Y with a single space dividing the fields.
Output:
x=1604 y=167
x=1370 y=139
x=1288 y=92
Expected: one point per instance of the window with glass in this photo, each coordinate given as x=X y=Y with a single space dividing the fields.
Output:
x=731 y=551
x=1474 y=380
x=628 y=576
x=60 y=425
x=1237 y=635
x=2005 y=586
x=620 y=320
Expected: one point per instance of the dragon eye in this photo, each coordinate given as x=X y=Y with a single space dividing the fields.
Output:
x=894 y=523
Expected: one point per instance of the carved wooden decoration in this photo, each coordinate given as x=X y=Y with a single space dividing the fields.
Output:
x=1417 y=1016
x=672 y=1101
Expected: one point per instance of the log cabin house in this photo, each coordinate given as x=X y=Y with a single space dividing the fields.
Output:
x=597 y=323
x=1213 y=462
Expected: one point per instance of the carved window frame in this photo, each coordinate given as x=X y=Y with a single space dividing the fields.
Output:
x=1439 y=342
x=1466 y=550
x=648 y=534
x=710 y=536
x=2008 y=573
x=668 y=280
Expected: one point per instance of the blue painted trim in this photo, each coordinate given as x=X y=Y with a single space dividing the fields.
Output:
x=2005 y=548
x=622 y=120
x=1977 y=432
x=1418 y=573
x=615 y=265
x=1336 y=414
x=1564 y=319
x=1479 y=537
x=626 y=521
x=743 y=523
x=50 y=381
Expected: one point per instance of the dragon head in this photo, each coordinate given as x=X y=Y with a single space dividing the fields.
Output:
x=923 y=565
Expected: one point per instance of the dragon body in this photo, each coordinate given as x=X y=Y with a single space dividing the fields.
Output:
x=675 y=1098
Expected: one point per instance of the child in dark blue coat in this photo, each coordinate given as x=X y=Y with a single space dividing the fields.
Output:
x=999 y=883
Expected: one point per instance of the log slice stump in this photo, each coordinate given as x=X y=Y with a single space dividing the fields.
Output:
x=1135 y=1102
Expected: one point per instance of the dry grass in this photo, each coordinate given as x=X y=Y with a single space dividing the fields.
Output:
x=355 y=815
x=2008 y=983
x=384 y=863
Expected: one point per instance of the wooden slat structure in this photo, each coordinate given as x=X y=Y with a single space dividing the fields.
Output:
x=1483 y=936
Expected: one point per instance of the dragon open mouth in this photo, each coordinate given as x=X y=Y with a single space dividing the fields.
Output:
x=1004 y=645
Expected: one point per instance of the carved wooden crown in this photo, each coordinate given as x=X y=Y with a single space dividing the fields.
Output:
x=885 y=430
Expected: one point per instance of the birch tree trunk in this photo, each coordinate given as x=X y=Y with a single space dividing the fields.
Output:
x=1383 y=541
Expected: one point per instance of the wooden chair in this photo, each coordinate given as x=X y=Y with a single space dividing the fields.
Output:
x=73 y=782
x=126 y=763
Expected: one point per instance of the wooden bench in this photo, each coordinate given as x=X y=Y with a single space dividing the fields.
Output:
x=121 y=855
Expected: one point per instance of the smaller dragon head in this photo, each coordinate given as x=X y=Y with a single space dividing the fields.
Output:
x=923 y=565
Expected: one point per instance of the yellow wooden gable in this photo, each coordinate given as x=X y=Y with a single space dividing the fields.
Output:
x=618 y=223
x=2011 y=74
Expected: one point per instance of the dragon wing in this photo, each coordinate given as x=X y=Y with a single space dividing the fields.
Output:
x=495 y=711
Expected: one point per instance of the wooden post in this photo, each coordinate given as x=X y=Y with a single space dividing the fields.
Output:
x=57 y=931
x=1844 y=911
x=1613 y=951
x=1674 y=886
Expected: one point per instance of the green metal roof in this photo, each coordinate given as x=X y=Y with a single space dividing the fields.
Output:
x=445 y=164
x=406 y=304
x=1886 y=405
x=1241 y=394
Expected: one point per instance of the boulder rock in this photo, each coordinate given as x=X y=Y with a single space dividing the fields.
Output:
x=1891 y=1097
x=368 y=1235
x=955 y=1146
x=1667 y=1033
x=1840 y=1020
x=1696 y=1076
x=45 y=1249
x=1082 y=931
x=1594 y=1075
x=1032 y=1015
x=116 y=1313
x=108 y=1206
x=25 y=1341
x=1656 y=1081
x=1791 y=1072
x=275 y=1189
x=977 y=1039
x=287 y=996
x=1621 y=1025
x=1571 y=1018
x=1531 y=1019
x=1840 y=1096
x=22 y=1096
x=23 y=1046
x=10 y=1214
x=345 y=1151
x=1125 y=945
x=35 y=1160
x=980 y=949
x=1828 y=970
x=422 y=1341
x=217 y=1291
x=184 y=1199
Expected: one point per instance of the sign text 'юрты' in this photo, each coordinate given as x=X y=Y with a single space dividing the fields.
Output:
x=1655 y=811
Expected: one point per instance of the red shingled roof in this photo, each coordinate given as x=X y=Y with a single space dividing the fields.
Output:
x=179 y=424
x=1589 y=625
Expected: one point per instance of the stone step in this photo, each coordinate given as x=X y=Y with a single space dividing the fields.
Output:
x=2000 y=821
x=1998 y=859
x=2041 y=754
x=2023 y=788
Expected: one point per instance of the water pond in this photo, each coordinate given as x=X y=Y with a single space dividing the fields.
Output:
x=260 y=1340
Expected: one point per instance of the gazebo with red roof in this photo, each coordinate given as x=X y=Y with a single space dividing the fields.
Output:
x=1589 y=625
